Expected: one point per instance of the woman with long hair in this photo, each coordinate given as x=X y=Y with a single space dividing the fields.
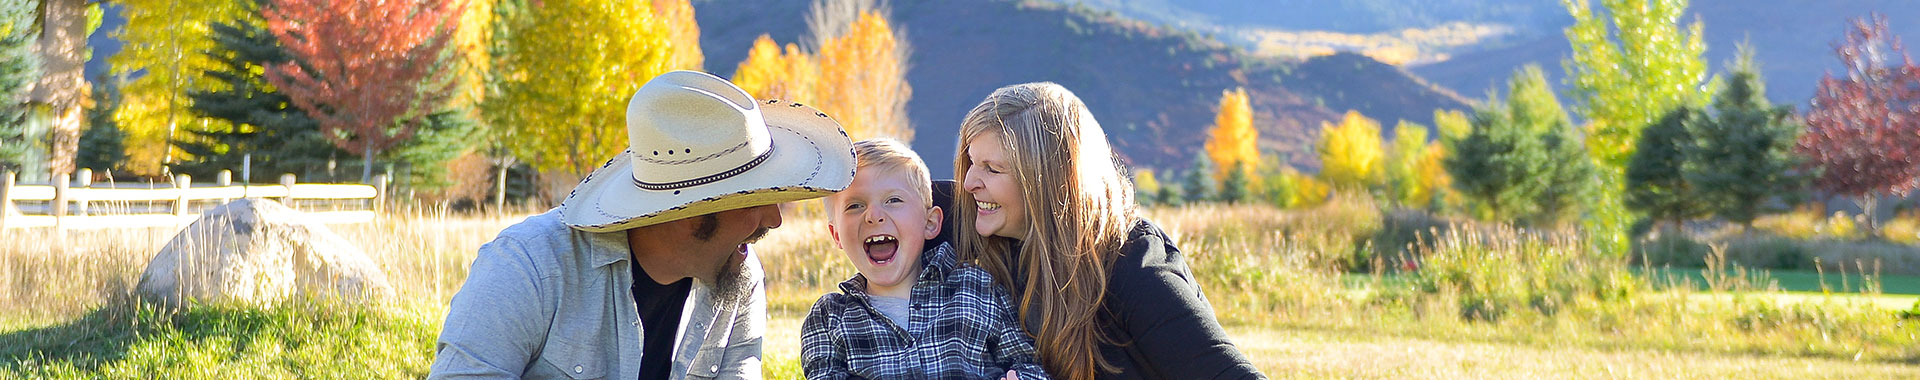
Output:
x=1049 y=212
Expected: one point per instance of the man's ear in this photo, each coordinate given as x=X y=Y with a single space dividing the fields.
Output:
x=934 y=217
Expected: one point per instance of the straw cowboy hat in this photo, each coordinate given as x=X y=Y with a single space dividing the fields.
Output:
x=699 y=145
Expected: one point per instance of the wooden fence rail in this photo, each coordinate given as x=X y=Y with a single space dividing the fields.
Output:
x=75 y=203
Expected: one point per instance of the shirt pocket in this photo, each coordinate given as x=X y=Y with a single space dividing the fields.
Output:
x=706 y=363
x=574 y=361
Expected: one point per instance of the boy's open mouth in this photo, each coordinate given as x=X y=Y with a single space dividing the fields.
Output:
x=880 y=248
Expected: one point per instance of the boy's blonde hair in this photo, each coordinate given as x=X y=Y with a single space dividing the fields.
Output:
x=891 y=155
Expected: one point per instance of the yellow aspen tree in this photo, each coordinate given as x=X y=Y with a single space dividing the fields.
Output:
x=1409 y=146
x=767 y=73
x=164 y=41
x=1232 y=141
x=473 y=35
x=1350 y=152
x=1431 y=179
x=863 y=79
x=1146 y=187
x=572 y=67
x=1452 y=124
x=683 y=34
x=1306 y=191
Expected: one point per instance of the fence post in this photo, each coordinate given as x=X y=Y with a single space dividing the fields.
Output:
x=379 y=193
x=224 y=179
x=60 y=184
x=182 y=183
x=286 y=180
x=82 y=179
x=6 y=197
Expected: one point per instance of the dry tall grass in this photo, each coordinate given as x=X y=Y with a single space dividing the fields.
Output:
x=53 y=274
x=1345 y=269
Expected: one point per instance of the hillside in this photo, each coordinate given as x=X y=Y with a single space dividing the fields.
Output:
x=1154 y=90
x=1793 y=38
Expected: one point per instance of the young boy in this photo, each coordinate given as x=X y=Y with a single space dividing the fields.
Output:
x=908 y=313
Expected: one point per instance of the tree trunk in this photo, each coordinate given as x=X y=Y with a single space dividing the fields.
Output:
x=63 y=84
x=1870 y=213
x=366 y=165
x=500 y=186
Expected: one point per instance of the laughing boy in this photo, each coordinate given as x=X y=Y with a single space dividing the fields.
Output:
x=909 y=313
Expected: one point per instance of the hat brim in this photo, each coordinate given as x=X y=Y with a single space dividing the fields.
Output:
x=811 y=158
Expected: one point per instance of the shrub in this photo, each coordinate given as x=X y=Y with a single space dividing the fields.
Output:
x=1672 y=249
x=1495 y=274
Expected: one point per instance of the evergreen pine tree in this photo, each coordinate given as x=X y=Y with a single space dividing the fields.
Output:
x=1742 y=156
x=1496 y=165
x=1522 y=159
x=421 y=162
x=1564 y=174
x=103 y=144
x=1199 y=184
x=19 y=67
x=1168 y=194
x=1655 y=185
x=1570 y=178
x=1237 y=187
x=280 y=137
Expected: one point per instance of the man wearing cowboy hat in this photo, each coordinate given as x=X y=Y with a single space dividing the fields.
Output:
x=644 y=271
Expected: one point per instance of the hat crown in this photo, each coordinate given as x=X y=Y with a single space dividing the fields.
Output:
x=687 y=128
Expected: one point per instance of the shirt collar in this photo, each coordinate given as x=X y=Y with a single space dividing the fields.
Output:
x=604 y=248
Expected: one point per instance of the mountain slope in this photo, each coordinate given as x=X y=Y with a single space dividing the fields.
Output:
x=1792 y=38
x=1793 y=41
x=1153 y=90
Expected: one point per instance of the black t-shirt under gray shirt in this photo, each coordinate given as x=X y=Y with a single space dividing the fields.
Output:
x=660 y=307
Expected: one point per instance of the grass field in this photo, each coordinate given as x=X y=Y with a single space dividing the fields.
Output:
x=1483 y=303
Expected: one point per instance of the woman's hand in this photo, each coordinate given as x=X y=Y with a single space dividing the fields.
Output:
x=1011 y=376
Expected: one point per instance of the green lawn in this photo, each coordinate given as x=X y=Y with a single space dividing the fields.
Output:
x=1796 y=280
x=297 y=341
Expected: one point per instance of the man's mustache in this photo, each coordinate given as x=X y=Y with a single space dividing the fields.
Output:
x=757 y=234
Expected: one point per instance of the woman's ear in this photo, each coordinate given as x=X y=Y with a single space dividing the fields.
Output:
x=934 y=218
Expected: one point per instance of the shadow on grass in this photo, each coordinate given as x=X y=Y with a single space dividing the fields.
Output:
x=101 y=335
x=158 y=340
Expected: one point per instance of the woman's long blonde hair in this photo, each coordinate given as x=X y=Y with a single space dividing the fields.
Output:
x=1078 y=206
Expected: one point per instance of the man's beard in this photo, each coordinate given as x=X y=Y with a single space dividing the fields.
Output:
x=734 y=286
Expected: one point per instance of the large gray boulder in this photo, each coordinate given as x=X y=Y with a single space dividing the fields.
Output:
x=259 y=252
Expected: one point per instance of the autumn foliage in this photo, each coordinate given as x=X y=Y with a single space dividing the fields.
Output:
x=1231 y=142
x=857 y=74
x=1350 y=152
x=565 y=83
x=683 y=34
x=164 y=41
x=864 y=79
x=369 y=71
x=1863 y=130
x=770 y=73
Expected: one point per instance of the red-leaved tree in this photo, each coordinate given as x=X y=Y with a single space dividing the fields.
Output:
x=1863 y=131
x=369 y=71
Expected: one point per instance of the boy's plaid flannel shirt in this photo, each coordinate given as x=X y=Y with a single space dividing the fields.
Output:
x=962 y=327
